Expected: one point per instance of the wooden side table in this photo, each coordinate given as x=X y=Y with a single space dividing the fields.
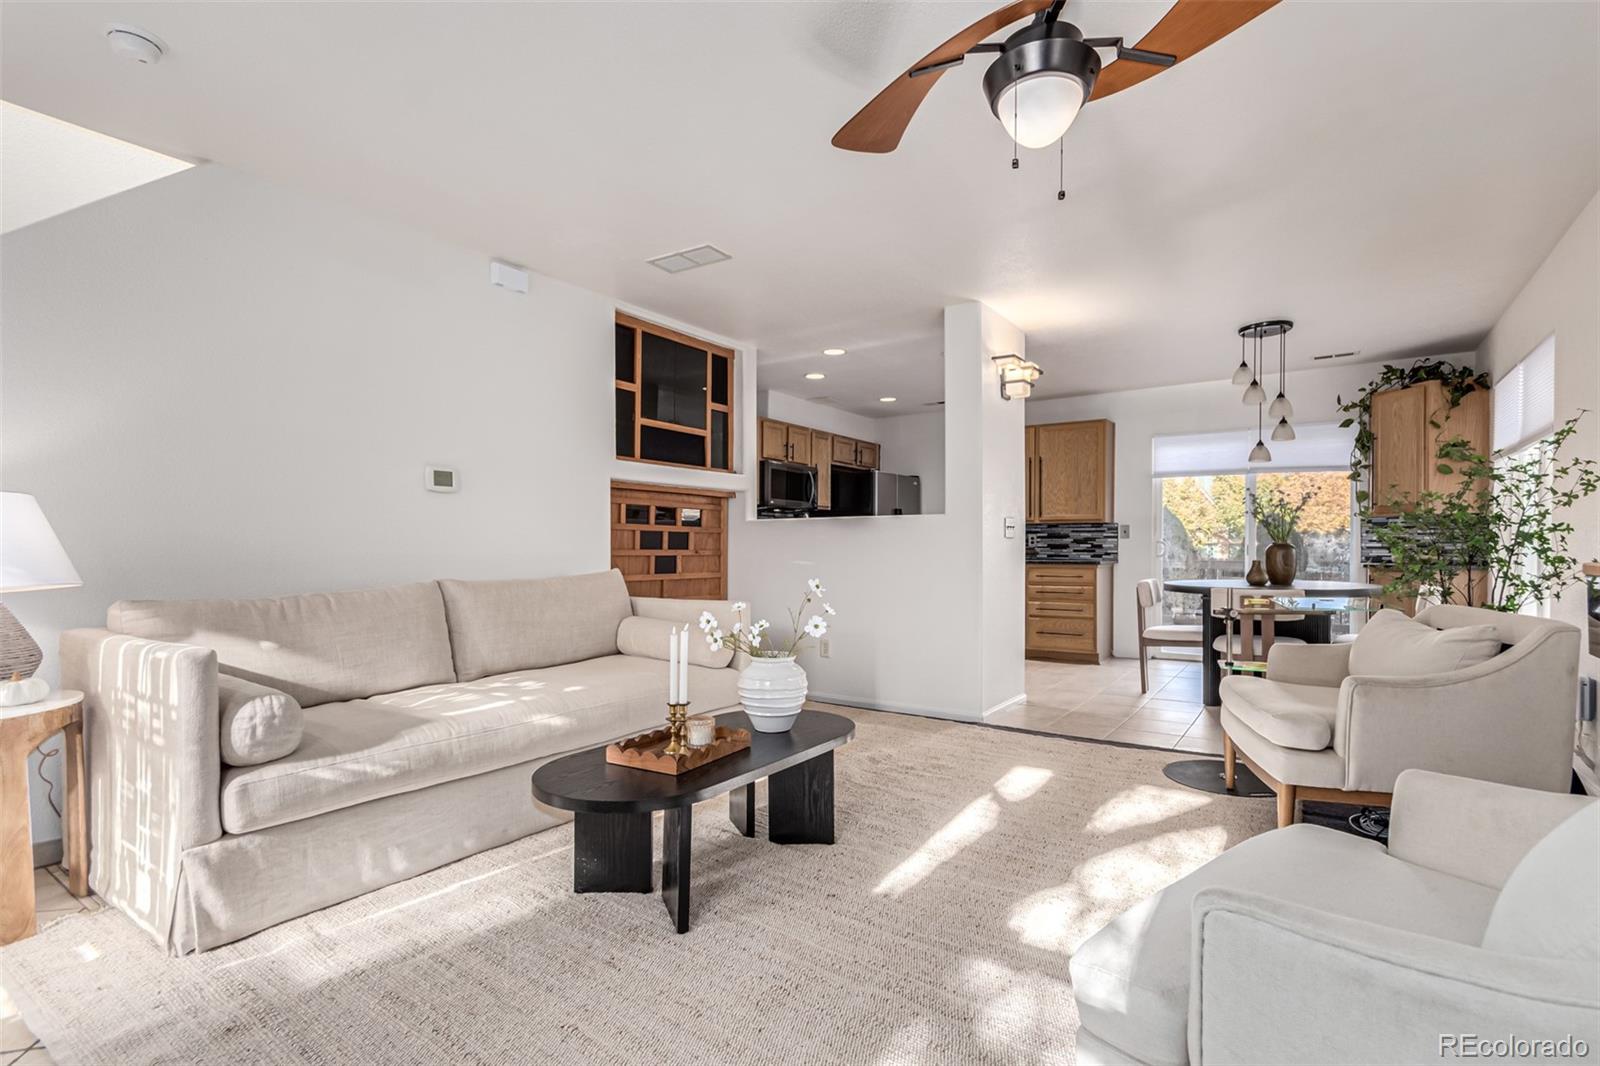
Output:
x=22 y=729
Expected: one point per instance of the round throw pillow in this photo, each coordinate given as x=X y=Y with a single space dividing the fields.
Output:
x=258 y=724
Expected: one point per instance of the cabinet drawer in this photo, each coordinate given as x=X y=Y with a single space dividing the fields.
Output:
x=1062 y=627
x=1062 y=575
x=1059 y=609
x=1072 y=593
x=1047 y=636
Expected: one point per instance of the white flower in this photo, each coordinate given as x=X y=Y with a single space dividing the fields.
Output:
x=755 y=639
x=738 y=627
x=761 y=627
x=740 y=606
x=816 y=627
x=815 y=585
x=828 y=607
x=712 y=642
x=708 y=621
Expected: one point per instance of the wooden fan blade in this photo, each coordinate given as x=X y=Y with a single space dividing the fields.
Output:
x=1190 y=26
x=879 y=126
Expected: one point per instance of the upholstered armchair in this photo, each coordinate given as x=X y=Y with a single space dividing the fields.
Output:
x=1316 y=728
x=1311 y=945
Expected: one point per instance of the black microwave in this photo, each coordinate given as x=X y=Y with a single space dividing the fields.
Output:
x=788 y=486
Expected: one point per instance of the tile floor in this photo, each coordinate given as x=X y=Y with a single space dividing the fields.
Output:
x=1104 y=703
x=51 y=900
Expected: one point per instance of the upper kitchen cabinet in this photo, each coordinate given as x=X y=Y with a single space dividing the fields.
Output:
x=1071 y=467
x=847 y=451
x=1408 y=426
x=786 y=443
x=674 y=397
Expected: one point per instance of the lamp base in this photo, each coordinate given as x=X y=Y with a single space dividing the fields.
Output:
x=19 y=652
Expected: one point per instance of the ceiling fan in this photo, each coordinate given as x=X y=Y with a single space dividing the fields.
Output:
x=1044 y=72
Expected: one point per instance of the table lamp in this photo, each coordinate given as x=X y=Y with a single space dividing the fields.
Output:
x=31 y=559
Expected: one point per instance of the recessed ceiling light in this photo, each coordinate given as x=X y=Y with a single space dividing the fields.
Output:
x=689 y=258
x=833 y=351
x=887 y=399
x=814 y=376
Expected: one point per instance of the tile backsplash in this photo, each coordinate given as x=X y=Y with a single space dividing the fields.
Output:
x=1072 y=542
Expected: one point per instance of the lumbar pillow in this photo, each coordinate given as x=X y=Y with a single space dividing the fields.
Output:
x=1548 y=905
x=651 y=638
x=1392 y=645
x=258 y=724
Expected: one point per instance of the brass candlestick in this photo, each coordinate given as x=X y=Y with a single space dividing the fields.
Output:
x=677 y=722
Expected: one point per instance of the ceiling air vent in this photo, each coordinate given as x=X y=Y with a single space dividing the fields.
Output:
x=1335 y=355
x=689 y=258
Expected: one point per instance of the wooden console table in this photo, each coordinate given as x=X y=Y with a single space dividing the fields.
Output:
x=22 y=729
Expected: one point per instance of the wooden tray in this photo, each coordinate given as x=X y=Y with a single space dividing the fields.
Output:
x=644 y=752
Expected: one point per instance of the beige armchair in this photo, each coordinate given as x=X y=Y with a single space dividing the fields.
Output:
x=1308 y=945
x=1312 y=731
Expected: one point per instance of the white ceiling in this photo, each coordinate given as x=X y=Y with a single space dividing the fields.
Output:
x=1388 y=175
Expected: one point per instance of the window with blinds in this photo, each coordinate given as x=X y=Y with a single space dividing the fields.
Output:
x=1317 y=446
x=1524 y=400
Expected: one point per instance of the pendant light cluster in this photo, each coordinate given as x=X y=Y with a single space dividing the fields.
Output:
x=1249 y=376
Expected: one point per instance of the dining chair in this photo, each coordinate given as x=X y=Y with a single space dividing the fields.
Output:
x=1148 y=595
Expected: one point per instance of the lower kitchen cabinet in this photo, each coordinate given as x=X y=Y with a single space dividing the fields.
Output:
x=1069 y=612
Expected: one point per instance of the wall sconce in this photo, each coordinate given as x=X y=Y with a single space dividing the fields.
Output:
x=1017 y=376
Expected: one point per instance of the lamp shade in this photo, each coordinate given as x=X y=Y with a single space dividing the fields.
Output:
x=31 y=558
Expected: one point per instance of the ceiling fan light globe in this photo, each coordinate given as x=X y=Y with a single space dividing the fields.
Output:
x=1281 y=408
x=1283 y=430
x=1241 y=373
x=1255 y=394
x=1042 y=106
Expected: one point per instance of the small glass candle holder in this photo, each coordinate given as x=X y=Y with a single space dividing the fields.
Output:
x=702 y=730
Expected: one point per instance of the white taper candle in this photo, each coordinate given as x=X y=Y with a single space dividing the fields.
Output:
x=672 y=667
x=683 y=667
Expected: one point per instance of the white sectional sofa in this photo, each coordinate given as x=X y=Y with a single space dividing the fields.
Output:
x=254 y=760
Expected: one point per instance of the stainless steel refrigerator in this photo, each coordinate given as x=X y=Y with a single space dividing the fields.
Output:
x=896 y=493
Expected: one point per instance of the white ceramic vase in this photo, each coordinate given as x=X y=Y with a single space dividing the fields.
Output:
x=772 y=691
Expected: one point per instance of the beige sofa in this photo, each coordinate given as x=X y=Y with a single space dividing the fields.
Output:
x=1308 y=945
x=373 y=735
x=1322 y=726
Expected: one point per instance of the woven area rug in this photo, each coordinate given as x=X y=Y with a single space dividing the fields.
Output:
x=970 y=863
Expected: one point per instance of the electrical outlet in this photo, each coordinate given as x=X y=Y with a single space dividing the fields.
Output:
x=824 y=649
x=1123 y=531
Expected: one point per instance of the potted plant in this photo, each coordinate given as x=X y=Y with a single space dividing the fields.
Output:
x=1277 y=516
x=772 y=686
x=1503 y=527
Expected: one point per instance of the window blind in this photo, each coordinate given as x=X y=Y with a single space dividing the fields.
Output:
x=1524 y=400
x=1317 y=446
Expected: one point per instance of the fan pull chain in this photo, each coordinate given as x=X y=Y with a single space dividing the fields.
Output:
x=1014 y=94
x=1061 y=191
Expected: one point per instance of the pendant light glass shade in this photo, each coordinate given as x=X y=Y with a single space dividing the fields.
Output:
x=1255 y=394
x=1241 y=373
x=1281 y=407
x=1283 y=430
x=1260 y=454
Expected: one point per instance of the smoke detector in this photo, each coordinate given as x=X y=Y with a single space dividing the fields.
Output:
x=133 y=43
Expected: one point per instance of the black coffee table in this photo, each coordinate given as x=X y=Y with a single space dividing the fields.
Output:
x=612 y=804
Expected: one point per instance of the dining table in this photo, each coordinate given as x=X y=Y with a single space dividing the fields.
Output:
x=1316 y=629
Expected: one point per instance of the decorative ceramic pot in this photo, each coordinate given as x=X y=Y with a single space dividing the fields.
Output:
x=1280 y=564
x=20 y=690
x=772 y=689
x=1256 y=576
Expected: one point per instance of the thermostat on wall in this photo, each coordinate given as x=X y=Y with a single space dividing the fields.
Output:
x=440 y=479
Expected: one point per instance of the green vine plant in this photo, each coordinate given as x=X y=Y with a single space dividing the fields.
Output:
x=1458 y=381
x=1506 y=520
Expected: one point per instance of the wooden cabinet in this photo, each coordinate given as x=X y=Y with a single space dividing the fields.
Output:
x=1408 y=425
x=1071 y=470
x=1069 y=613
x=847 y=451
x=785 y=442
x=674 y=397
x=822 y=452
x=670 y=542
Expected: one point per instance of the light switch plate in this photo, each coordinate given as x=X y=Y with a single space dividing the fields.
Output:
x=1011 y=528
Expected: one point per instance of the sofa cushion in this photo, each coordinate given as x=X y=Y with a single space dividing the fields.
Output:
x=1548 y=906
x=319 y=648
x=500 y=626
x=1392 y=645
x=382 y=746
x=1291 y=716
x=649 y=638
x=257 y=724
x=1131 y=979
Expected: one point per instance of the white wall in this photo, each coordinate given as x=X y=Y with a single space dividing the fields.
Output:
x=1563 y=298
x=785 y=408
x=914 y=444
x=911 y=631
x=1141 y=414
x=218 y=387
